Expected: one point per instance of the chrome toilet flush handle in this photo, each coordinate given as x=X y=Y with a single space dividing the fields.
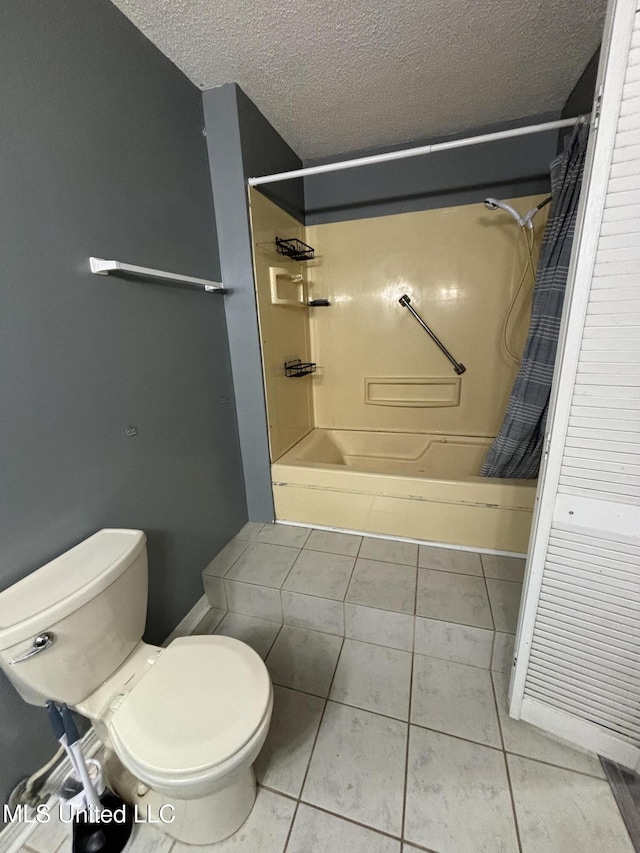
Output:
x=40 y=643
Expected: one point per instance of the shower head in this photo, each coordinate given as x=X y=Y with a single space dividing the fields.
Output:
x=523 y=221
x=496 y=204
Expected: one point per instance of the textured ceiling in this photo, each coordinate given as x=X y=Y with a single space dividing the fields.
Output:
x=339 y=75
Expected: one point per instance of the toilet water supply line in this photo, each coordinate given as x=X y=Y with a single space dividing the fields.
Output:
x=27 y=792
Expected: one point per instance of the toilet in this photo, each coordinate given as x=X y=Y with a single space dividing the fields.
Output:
x=181 y=725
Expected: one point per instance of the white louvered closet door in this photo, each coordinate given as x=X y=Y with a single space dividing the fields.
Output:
x=577 y=667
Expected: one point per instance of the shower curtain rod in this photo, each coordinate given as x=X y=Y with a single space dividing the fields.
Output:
x=416 y=152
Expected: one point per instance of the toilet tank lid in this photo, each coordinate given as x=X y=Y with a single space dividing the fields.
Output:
x=55 y=590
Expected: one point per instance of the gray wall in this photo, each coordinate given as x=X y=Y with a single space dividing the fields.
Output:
x=581 y=98
x=242 y=144
x=504 y=169
x=102 y=153
x=264 y=152
x=580 y=101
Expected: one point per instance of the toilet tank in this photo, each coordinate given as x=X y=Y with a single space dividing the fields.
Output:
x=92 y=600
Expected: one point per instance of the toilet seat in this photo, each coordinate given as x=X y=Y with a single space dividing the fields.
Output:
x=199 y=706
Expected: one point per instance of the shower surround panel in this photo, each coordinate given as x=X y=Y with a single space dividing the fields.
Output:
x=284 y=329
x=385 y=437
x=460 y=267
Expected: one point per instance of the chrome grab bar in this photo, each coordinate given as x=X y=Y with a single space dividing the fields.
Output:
x=457 y=366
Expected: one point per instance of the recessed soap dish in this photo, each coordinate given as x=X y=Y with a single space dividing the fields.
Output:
x=286 y=288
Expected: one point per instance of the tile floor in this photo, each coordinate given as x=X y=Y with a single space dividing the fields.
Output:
x=390 y=593
x=403 y=744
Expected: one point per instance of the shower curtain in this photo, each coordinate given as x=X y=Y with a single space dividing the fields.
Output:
x=517 y=449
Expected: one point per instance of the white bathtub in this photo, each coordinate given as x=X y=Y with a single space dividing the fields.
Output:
x=417 y=486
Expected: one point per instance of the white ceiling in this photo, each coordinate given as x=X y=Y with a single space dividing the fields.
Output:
x=334 y=76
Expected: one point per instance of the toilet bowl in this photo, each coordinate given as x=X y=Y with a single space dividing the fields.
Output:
x=181 y=726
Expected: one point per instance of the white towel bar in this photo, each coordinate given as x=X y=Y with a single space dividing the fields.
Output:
x=102 y=267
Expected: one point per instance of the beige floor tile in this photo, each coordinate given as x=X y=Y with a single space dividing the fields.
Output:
x=264 y=831
x=374 y=678
x=318 y=832
x=389 y=551
x=260 y=601
x=559 y=810
x=285 y=755
x=450 y=641
x=453 y=597
x=309 y=611
x=503 y=651
x=262 y=564
x=334 y=543
x=357 y=767
x=210 y=622
x=221 y=563
x=250 y=530
x=150 y=839
x=388 y=586
x=505 y=604
x=449 y=560
x=503 y=568
x=215 y=591
x=457 y=796
x=382 y=627
x=257 y=633
x=283 y=534
x=304 y=660
x=319 y=573
x=51 y=836
x=456 y=699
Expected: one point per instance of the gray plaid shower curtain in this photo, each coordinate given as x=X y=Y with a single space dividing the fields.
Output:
x=517 y=449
